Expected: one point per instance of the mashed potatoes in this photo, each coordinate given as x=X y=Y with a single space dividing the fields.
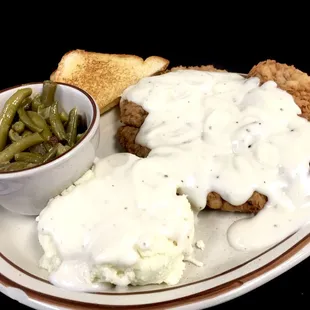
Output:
x=121 y=223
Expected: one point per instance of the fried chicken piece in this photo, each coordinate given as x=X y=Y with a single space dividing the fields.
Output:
x=126 y=136
x=210 y=68
x=133 y=116
x=254 y=204
x=288 y=78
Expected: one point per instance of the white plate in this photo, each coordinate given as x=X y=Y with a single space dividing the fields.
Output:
x=226 y=273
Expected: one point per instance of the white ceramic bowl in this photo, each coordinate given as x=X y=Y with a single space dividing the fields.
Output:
x=27 y=192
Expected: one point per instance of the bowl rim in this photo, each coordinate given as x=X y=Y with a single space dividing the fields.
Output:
x=91 y=129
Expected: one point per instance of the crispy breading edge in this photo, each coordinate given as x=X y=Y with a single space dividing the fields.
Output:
x=288 y=78
x=210 y=68
x=263 y=71
x=126 y=137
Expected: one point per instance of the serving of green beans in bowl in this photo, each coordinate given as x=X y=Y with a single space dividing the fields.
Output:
x=34 y=129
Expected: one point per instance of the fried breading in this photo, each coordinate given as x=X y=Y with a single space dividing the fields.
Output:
x=254 y=204
x=288 y=78
x=294 y=81
x=126 y=135
x=132 y=114
x=210 y=68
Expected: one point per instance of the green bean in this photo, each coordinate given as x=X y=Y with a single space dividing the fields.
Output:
x=2 y=165
x=36 y=102
x=19 y=127
x=51 y=154
x=15 y=166
x=79 y=136
x=20 y=146
x=9 y=111
x=14 y=136
x=44 y=112
x=72 y=127
x=38 y=149
x=40 y=123
x=27 y=103
x=48 y=93
x=28 y=157
x=64 y=117
x=56 y=124
x=62 y=149
x=48 y=146
x=26 y=133
x=27 y=121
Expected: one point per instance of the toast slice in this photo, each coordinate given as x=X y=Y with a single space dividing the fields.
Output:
x=105 y=76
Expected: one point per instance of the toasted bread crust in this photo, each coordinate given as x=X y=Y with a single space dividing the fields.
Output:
x=105 y=76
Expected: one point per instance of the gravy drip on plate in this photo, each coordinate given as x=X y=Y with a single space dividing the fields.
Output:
x=221 y=132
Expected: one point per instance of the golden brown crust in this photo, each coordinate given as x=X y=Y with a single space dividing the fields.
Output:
x=289 y=78
x=132 y=114
x=105 y=76
x=126 y=136
x=255 y=203
x=210 y=68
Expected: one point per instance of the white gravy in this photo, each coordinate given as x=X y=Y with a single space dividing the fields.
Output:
x=214 y=131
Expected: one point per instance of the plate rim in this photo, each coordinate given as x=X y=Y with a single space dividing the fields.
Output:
x=237 y=285
x=235 y=268
x=219 y=293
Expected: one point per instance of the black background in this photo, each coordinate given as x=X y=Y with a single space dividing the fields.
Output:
x=32 y=47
